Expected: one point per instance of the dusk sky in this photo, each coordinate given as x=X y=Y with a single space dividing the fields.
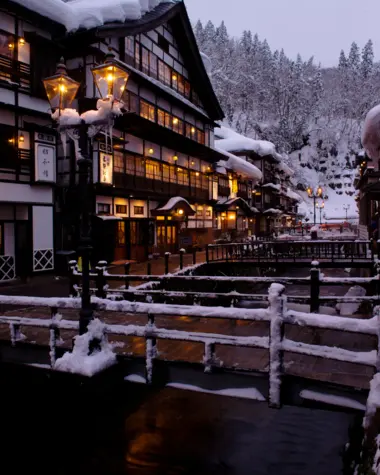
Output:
x=313 y=28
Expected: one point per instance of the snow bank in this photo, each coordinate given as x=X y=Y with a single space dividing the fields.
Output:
x=351 y=308
x=246 y=393
x=79 y=361
x=371 y=133
x=90 y=13
x=373 y=401
x=331 y=399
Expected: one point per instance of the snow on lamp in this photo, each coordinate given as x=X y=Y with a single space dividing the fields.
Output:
x=60 y=88
x=110 y=78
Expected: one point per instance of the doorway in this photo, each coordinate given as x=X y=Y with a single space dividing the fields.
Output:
x=120 y=245
x=23 y=249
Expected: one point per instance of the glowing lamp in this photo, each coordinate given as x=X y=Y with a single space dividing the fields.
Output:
x=21 y=41
x=193 y=130
x=110 y=78
x=175 y=121
x=60 y=88
x=151 y=151
x=197 y=174
x=11 y=46
x=319 y=191
x=174 y=77
x=175 y=158
x=180 y=212
x=21 y=138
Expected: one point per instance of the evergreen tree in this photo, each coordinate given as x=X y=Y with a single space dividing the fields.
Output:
x=354 y=57
x=342 y=61
x=199 y=34
x=367 y=60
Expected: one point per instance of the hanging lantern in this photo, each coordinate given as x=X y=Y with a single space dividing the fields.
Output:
x=60 y=88
x=110 y=78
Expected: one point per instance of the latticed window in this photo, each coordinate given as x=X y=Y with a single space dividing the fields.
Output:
x=130 y=164
x=147 y=111
x=153 y=170
x=118 y=162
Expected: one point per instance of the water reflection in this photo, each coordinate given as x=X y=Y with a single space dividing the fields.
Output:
x=129 y=429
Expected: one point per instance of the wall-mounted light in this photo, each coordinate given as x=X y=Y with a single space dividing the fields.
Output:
x=180 y=212
x=11 y=141
x=208 y=168
x=193 y=130
x=197 y=174
x=174 y=77
x=175 y=120
x=21 y=138
x=11 y=46
x=21 y=41
x=151 y=151
x=192 y=162
x=175 y=158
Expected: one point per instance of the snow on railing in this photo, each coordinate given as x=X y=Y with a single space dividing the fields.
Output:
x=82 y=361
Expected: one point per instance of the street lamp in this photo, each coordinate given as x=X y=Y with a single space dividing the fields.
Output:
x=315 y=193
x=320 y=206
x=346 y=208
x=61 y=90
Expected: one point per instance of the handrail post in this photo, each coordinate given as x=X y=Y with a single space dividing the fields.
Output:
x=167 y=255
x=209 y=357
x=315 y=283
x=149 y=267
x=181 y=253
x=101 y=281
x=207 y=253
x=277 y=309
x=127 y=270
x=72 y=279
x=194 y=256
x=150 y=351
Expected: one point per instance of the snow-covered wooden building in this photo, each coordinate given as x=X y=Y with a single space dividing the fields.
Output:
x=269 y=195
x=27 y=148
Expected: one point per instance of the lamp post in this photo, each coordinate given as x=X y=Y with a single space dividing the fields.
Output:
x=320 y=206
x=314 y=194
x=346 y=208
x=111 y=80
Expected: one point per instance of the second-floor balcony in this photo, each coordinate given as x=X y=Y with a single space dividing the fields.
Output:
x=14 y=74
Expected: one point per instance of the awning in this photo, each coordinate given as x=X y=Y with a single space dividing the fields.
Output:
x=273 y=212
x=239 y=203
x=105 y=217
x=176 y=206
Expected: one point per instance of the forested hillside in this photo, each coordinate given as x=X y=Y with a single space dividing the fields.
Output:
x=312 y=113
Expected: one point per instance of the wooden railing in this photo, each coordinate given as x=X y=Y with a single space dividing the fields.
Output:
x=276 y=315
x=206 y=290
x=334 y=251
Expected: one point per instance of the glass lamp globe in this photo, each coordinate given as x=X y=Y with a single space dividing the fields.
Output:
x=60 y=88
x=110 y=78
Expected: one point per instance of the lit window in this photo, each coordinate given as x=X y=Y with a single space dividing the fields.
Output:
x=138 y=210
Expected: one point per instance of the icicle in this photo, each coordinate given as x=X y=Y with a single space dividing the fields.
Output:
x=63 y=135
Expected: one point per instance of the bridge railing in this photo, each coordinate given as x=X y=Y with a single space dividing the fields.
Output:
x=276 y=315
x=275 y=251
x=182 y=289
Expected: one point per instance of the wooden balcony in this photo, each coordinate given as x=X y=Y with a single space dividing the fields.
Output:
x=149 y=187
x=224 y=190
x=14 y=73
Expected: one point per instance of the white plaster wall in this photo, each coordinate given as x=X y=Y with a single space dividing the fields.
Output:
x=42 y=227
x=9 y=239
x=33 y=103
x=16 y=192
x=7 y=97
x=138 y=203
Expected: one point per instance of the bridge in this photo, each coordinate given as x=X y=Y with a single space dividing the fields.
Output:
x=211 y=334
x=329 y=253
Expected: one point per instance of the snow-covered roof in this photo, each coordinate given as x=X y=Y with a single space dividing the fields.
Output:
x=90 y=13
x=291 y=194
x=172 y=203
x=272 y=211
x=239 y=165
x=231 y=141
x=273 y=186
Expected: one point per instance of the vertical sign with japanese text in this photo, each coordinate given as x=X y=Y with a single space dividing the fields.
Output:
x=45 y=163
x=106 y=168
